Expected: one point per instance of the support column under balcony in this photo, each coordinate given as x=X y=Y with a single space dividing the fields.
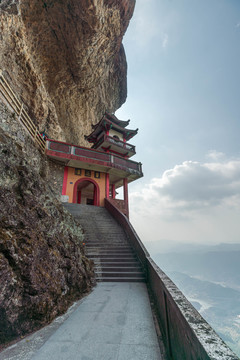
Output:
x=113 y=191
x=107 y=186
x=65 y=176
x=125 y=191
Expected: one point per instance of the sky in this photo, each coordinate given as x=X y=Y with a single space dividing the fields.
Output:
x=183 y=94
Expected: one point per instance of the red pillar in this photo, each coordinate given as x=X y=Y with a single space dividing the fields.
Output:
x=107 y=186
x=125 y=190
x=79 y=196
x=95 y=196
x=113 y=191
x=65 y=176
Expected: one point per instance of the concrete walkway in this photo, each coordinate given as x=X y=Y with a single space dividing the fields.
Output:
x=114 y=322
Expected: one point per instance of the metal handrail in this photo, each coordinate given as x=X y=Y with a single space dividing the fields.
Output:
x=22 y=116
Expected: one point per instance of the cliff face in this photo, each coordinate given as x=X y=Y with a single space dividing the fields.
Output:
x=66 y=60
x=43 y=268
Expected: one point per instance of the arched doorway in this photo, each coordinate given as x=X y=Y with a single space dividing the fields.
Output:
x=86 y=191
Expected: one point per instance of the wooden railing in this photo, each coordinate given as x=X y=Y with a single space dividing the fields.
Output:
x=22 y=116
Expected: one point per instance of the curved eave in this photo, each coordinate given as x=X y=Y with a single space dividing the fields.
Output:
x=114 y=119
x=100 y=127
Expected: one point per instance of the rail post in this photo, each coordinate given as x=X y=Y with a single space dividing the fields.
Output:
x=20 y=113
x=22 y=116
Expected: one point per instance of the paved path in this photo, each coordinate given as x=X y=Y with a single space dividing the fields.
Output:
x=114 y=322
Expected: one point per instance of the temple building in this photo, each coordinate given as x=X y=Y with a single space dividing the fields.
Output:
x=111 y=135
x=93 y=174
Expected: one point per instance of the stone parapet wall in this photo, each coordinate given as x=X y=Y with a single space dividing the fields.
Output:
x=186 y=335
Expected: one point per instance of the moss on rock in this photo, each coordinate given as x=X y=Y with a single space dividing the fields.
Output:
x=43 y=268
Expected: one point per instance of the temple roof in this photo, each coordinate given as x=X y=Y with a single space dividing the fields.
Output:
x=110 y=121
x=115 y=120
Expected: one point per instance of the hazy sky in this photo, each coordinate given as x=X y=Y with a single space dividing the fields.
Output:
x=184 y=96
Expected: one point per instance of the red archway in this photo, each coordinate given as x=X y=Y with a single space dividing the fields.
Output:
x=96 y=200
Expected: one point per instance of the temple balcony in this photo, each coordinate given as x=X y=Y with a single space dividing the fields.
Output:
x=115 y=145
x=85 y=158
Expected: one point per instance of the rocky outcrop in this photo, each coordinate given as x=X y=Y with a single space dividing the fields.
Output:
x=43 y=267
x=66 y=60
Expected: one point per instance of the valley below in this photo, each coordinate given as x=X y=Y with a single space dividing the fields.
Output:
x=210 y=280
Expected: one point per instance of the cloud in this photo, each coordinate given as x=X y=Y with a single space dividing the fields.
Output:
x=164 y=40
x=238 y=25
x=145 y=22
x=193 y=186
x=192 y=202
x=151 y=25
x=215 y=155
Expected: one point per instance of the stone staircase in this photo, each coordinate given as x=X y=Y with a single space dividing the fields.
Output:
x=107 y=245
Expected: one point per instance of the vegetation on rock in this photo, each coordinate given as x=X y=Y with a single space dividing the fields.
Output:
x=66 y=62
x=43 y=268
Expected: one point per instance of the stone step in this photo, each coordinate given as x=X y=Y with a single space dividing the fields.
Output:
x=120 y=279
x=119 y=263
x=100 y=251
x=119 y=274
x=97 y=225
x=95 y=255
x=102 y=233
x=113 y=260
x=134 y=268
x=111 y=252
x=105 y=243
x=113 y=256
x=107 y=246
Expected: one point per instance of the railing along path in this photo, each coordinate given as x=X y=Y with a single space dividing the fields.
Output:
x=186 y=335
x=23 y=117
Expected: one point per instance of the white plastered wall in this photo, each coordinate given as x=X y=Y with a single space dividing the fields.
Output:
x=114 y=132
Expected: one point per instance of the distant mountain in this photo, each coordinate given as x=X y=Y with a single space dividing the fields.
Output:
x=166 y=246
x=215 y=266
x=219 y=305
x=216 y=296
x=211 y=282
x=224 y=247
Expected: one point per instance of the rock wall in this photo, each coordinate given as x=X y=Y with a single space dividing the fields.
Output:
x=43 y=268
x=66 y=60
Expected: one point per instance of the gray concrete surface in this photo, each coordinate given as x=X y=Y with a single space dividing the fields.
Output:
x=114 y=322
